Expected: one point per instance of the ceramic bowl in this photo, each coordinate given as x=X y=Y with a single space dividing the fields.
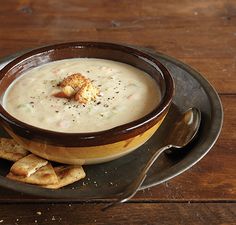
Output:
x=93 y=147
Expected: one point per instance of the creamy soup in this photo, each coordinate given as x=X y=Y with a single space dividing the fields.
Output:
x=125 y=94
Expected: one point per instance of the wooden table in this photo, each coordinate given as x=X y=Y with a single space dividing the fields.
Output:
x=201 y=34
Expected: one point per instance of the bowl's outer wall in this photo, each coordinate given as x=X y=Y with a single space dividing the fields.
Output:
x=86 y=155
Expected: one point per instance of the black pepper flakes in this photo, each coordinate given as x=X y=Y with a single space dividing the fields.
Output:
x=57 y=111
x=98 y=103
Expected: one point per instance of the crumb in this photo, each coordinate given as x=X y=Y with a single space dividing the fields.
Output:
x=39 y=213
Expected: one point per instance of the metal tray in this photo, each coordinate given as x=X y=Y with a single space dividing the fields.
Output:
x=104 y=180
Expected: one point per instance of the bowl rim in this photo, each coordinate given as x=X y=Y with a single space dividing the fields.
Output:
x=117 y=131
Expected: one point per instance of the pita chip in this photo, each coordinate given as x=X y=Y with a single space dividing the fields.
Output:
x=27 y=165
x=43 y=176
x=11 y=150
x=67 y=175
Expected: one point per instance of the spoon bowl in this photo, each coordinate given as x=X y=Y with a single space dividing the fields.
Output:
x=185 y=129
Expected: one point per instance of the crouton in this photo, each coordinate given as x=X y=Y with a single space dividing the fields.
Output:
x=86 y=93
x=75 y=81
x=79 y=87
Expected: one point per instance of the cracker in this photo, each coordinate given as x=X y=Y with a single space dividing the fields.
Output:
x=67 y=175
x=43 y=176
x=11 y=150
x=28 y=165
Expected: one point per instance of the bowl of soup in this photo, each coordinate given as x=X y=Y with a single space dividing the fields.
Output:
x=84 y=102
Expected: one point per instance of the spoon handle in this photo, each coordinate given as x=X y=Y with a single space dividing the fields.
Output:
x=153 y=159
x=134 y=186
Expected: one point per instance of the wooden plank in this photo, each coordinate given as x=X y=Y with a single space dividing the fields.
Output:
x=213 y=178
x=202 y=34
x=148 y=214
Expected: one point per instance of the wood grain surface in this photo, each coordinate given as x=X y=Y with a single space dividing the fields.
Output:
x=129 y=213
x=199 y=33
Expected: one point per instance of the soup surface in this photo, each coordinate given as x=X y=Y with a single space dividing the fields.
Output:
x=125 y=94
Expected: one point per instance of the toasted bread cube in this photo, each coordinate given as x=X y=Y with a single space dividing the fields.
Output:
x=86 y=94
x=75 y=81
x=68 y=91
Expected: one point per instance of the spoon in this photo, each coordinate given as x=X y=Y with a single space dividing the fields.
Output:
x=182 y=132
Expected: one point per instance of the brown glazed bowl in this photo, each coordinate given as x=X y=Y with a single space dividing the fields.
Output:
x=94 y=147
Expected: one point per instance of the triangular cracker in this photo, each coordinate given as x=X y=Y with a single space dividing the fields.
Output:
x=44 y=176
x=67 y=175
x=28 y=165
x=11 y=150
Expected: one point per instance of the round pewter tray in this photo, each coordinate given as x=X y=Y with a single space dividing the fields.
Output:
x=103 y=181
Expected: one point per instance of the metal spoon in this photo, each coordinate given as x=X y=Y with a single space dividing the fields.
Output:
x=183 y=131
